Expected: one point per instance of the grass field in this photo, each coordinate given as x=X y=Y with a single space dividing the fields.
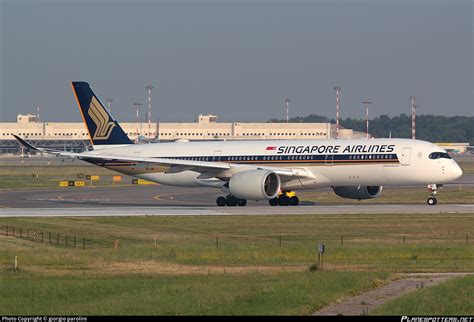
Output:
x=455 y=297
x=223 y=294
x=175 y=265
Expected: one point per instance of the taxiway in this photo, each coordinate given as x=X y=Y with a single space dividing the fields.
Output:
x=156 y=200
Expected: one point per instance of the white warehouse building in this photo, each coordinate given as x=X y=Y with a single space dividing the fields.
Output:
x=204 y=128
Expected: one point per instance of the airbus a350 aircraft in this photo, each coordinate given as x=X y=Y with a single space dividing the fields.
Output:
x=263 y=170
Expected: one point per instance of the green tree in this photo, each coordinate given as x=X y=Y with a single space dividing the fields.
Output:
x=434 y=128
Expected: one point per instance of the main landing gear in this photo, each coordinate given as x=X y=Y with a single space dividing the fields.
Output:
x=432 y=200
x=285 y=198
x=230 y=201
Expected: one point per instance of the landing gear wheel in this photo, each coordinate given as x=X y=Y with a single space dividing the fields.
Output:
x=273 y=201
x=284 y=201
x=221 y=201
x=285 y=198
x=231 y=201
x=242 y=202
x=294 y=201
x=432 y=201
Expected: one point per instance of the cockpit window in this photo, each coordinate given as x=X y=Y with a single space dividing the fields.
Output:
x=438 y=155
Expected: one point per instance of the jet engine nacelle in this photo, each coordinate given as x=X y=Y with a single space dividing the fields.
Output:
x=358 y=192
x=255 y=184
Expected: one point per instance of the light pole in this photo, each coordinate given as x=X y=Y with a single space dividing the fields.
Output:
x=37 y=112
x=366 y=104
x=149 y=88
x=413 y=117
x=137 y=106
x=287 y=101
x=337 y=89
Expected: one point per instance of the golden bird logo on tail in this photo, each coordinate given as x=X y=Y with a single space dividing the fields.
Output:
x=101 y=119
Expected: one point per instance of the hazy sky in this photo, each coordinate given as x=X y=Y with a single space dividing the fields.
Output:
x=237 y=59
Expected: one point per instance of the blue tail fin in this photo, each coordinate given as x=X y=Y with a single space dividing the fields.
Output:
x=103 y=128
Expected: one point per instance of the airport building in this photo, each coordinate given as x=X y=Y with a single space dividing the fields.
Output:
x=74 y=136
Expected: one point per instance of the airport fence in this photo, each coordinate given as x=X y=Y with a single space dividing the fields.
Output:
x=228 y=240
x=51 y=238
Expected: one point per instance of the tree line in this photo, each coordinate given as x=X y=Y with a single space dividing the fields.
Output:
x=433 y=128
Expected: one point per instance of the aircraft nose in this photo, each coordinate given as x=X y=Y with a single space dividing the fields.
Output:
x=456 y=171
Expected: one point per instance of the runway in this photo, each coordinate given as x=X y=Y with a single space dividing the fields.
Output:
x=232 y=211
x=159 y=200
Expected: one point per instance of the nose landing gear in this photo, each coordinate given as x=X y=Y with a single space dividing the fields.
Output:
x=285 y=198
x=432 y=200
x=230 y=201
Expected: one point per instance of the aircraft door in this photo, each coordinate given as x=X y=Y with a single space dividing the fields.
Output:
x=406 y=153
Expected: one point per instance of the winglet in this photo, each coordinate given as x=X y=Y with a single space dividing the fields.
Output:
x=26 y=144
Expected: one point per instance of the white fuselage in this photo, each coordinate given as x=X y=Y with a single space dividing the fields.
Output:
x=374 y=162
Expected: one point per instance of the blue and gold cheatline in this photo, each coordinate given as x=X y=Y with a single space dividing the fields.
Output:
x=336 y=159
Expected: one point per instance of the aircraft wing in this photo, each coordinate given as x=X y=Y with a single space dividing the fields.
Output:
x=159 y=161
x=200 y=166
